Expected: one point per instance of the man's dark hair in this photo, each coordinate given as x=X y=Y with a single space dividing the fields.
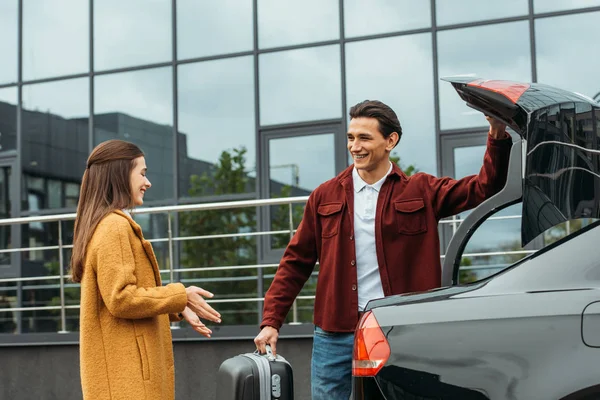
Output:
x=387 y=118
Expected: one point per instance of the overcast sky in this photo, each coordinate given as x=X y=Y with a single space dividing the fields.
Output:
x=216 y=98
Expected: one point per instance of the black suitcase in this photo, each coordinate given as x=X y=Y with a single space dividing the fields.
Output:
x=253 y=376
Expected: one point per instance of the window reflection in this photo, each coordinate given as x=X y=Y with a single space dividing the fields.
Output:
x=283 y=23
x=294 y=172
x=8 y=323
x=228 y=23
x=8 y=40
x=8 y=119
x=137 y=106
x=458 y=11
x=133 y=32
x=499 y=51
x=46 y=292
x=5 y=212
x=55 y=140
x=541 y=6
x=382 y=16
x=300 y=85
x=559 y=40
x=561 y=181
x=407 y=87
x=223 y=251
x=55 y=38
x=292 y=163
x=216 y=100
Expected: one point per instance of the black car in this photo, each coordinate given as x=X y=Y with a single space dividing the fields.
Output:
x=531 y=331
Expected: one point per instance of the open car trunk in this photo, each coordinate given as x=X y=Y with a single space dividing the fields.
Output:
x=561 y=156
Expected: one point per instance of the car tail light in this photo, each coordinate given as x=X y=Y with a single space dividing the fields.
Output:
x=371 y=348
x=510 y=90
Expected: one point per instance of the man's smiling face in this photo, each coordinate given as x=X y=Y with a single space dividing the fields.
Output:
x=370 y=150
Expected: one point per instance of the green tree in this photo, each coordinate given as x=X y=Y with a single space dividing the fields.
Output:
x=466 y=275
x=409 y=170
x=227 y=177
x=559 y=231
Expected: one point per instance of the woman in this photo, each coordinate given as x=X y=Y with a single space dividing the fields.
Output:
x=125 y=337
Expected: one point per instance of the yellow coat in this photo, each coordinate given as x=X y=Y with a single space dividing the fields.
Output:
x=126 y=349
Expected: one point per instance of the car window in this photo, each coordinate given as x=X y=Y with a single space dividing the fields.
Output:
x=495 y=245
x=572 y=263
x=566 y=228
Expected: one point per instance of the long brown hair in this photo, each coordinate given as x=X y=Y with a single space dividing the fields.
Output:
x=105 y=187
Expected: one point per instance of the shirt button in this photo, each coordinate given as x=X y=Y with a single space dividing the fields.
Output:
x=353 y=262
x=353 y=287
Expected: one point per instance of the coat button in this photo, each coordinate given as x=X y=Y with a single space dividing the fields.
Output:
x=353 y=262
x=351 y=237
x=353 y=287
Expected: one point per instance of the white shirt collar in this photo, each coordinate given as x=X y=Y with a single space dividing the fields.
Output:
x=359 y=184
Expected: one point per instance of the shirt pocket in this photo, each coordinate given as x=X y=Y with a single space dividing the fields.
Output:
x=410 y=216
x=330 y=216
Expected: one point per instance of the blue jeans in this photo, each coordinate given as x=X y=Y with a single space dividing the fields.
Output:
x=331 y=366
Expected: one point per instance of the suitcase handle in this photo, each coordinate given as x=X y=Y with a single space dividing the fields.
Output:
x=268 y=354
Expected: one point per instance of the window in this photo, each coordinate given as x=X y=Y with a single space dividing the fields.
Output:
x=228 y=23
x=541 y=6
x=284 y=23
x=217 y=128
x=55 y=135
x=407 y=87
x=137 y=106
x=460 y=11
x=564 y=55
x=381 y=16
x=133 y=32
x=300 y=85
x=55 y=38
x=500 y=51
x=8 y=40
x=8 y=118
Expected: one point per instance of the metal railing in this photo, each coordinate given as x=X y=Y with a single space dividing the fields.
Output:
x=171 y=239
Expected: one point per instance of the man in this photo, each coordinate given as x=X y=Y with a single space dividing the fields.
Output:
x=374 y=232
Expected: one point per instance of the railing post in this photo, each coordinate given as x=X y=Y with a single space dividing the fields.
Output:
x=63 y=313
x=170 y=232
x=295 y=305
x=174 y=325
x=454 y=224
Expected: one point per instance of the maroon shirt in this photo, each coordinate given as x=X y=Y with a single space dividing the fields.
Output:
x=406 y=237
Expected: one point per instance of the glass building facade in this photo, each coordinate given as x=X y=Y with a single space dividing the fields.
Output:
x=254 y=90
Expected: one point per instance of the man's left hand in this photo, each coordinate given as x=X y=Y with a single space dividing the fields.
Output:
x=497 y=128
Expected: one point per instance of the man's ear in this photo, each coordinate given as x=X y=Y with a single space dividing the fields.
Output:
x=392 y=140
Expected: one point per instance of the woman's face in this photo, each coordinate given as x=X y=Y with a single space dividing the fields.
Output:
x=139 y=182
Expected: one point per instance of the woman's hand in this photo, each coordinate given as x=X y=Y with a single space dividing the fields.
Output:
x=195 y=322
x=199 y=306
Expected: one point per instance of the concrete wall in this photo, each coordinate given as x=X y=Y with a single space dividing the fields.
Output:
x=48 y=372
